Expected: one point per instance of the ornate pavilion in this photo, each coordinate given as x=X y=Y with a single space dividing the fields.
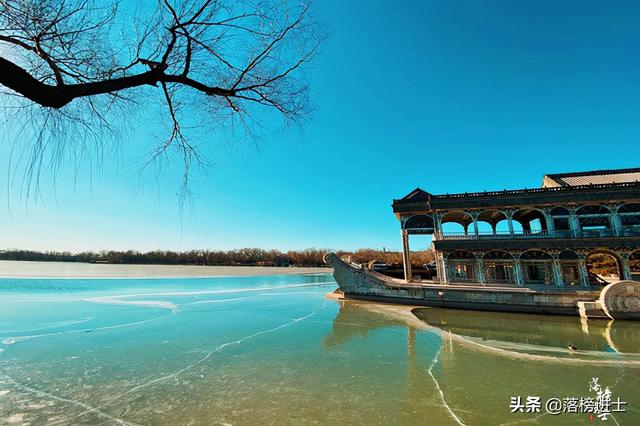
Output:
x=542 y=236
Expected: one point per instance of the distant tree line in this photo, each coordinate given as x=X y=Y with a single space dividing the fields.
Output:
x=241 y=257
x=389 y=257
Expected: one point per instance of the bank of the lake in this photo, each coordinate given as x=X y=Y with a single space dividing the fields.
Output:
x=29 y=269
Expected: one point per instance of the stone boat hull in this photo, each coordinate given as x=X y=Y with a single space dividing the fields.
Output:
x=364 y=284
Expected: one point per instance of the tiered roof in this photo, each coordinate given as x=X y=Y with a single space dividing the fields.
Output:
x=595 y=177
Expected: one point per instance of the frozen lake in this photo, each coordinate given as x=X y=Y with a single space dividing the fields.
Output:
x=275 y=350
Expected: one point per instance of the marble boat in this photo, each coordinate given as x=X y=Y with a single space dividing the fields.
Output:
x=524 y=250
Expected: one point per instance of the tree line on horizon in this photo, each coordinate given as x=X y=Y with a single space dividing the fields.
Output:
x=599 y=264
x=240 y=257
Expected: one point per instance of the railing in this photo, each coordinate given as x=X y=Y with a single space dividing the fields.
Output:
x=503 y=235
x=589 y=187
x=591 y=233
x=500 y=235
x=631 y=231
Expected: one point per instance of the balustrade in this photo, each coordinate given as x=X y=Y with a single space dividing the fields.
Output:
x=583 y=233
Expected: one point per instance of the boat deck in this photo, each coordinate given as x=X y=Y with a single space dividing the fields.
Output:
x=461 y=285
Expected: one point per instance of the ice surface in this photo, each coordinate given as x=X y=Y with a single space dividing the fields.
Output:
x=249 y=350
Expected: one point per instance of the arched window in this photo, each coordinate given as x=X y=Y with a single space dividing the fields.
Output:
x=450 y=229
x=456 y=224
x=485 y=228
x=461 y=266
x=533 y=221
x=488 y=223
x=517 y=227
x=603 y=267
x=537 y=267
x=570 y=268
x=498 y=267
x=594 y=220
x=502 y=227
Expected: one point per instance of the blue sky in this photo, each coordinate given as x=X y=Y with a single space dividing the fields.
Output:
x=451 y=96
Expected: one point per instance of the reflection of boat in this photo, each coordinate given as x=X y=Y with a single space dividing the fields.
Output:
x=357 y=319
x=513 y=336
x=524 y=250
x=533 y=331
x=423 y=397
x=431 y=372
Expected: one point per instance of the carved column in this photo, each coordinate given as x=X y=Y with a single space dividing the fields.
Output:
x=406 y=256
x=510 y=222
x=616 y=221
x=549 y=219
x=445 y=269
x=437 y=226
x=480 y=273
x=584 y=274
x=574 y=223
x=441 y=266
x=624 y=266
x=474 y=215
x=517 y=272
x=557 y=273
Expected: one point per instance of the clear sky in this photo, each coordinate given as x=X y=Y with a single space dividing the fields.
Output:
x=451 y=96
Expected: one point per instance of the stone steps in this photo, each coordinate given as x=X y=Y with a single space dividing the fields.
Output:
x=591 y=310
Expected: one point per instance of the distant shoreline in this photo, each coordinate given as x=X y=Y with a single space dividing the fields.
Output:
x=77 y=270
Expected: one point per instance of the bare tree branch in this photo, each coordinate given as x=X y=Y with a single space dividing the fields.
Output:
x=64 y=55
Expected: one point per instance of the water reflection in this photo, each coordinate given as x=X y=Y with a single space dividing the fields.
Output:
x=416 y=361
x=355 y=319
x=462 y=367
x=531 y=333
x=537 y=332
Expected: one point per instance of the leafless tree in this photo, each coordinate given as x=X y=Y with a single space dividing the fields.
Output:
x=71 y=63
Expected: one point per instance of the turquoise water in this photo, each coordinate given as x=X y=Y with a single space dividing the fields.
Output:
x=275 y=350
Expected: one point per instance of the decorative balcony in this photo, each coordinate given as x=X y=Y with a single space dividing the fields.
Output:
x=501 y=235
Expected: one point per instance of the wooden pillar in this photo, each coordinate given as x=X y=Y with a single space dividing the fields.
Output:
x=406 y=256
